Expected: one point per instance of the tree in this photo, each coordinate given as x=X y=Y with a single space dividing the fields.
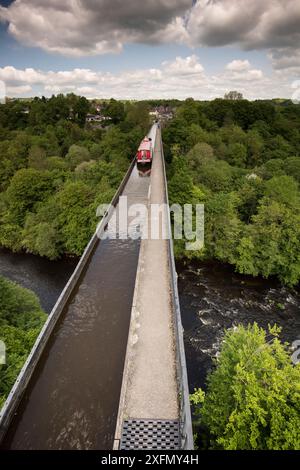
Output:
x=236 y=155
x=115 y=110
x=200 y=154
x=222 y=227
x=277 y=147
x=80 y=110
x=19 y=307
x=26 y=189
x=180 y=184
x=249 y=196
x=76 y=155
x=137 y=114
x=233 y=134
x=255 y=148
x=270 y=244
x=75 y=216
x=292 y=167
x=273 y=167
x=283 y=189
x=252 y=399
x=21 y=319
x=37 y=158
x=41 y=237
x=177 y=133
x=195 y=135
x=217 y=175
x=233 y=96
x=189 y=111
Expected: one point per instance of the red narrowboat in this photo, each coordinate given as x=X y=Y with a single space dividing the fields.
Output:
x=145 y=151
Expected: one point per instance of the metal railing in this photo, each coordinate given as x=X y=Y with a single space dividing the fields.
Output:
x=186 y=429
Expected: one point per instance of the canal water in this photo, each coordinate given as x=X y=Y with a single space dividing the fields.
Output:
x=72 y=399
x=214 y=298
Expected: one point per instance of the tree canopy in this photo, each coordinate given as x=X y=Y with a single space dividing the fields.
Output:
x=252 y=398
x=244 y=156
x=21 y=319
x=55 y=168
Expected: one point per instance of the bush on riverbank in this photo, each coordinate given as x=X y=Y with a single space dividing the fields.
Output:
x=21 y=319
x=253 y=396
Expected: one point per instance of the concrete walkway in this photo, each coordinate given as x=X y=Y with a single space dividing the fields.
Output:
x=149 y=382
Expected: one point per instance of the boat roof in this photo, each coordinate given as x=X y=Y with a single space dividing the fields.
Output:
x=145 y=144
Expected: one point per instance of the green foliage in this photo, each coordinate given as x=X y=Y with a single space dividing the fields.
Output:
x=236 y=154
x=76 y=155
x=216 y=175
x=21 y=319
x=26 y=189
x=115 y=110
x=244 y=158
x=137 y=115
x=222 y=227
x=292 y=167
x=253 y=395
x=200 y=154
x=283 y=189
x=74 y=215
x=270 y=244
x=54 y=170
x=180 y=185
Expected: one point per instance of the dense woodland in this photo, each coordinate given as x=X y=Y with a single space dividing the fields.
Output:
x=252 y=397
x=241 y=159
x=55 y=171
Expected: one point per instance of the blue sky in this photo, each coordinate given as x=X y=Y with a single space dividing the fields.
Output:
x=163 y=49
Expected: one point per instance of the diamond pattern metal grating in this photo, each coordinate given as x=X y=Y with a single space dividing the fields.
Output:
x=150 y=434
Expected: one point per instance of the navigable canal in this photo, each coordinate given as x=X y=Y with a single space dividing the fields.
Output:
x=72 y=399
x=213 y=298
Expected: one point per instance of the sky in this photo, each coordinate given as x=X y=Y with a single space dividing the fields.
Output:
x=133 y=49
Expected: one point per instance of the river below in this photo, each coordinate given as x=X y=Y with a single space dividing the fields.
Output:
x=44 y=277
x=214 y=298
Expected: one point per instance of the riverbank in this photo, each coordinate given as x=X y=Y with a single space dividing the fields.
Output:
x=44 y=277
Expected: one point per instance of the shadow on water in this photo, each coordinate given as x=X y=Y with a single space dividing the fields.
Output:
x=214 y=298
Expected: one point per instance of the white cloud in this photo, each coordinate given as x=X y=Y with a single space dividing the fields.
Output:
x=252 y=25
x=184 y=66
x=286 y=61
x=241 y=71
x=180 y=78
x=12 y=75
x=238 y=65
x=239 y=75
x=20 y=90
x=90 y=27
